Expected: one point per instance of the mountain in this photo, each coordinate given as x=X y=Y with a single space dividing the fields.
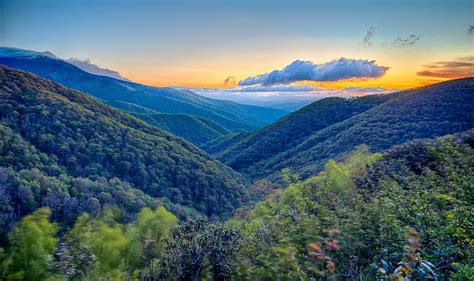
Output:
x=230 y=115
x=245 y=149
x=328 y=128
x=219 y=144
x=74 y=135
x=287 y=105
x=283 y=104
x=195 y=129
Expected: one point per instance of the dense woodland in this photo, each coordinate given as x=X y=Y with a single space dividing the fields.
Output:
x=290 y=130
x=84 y=138
x=89 y=192
x=405 y=213
x=195 y=129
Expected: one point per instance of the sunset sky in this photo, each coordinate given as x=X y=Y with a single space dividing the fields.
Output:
x=203 y=43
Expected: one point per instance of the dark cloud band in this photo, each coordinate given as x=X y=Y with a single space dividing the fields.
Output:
x=457 y=68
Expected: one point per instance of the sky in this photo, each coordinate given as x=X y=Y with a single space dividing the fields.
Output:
x=259 y=43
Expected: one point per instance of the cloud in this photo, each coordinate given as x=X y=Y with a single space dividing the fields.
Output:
x=282 y=88
x=230 y=81
x=369 y=35
x=274 y=88
x=285 y=92
x=367 y=90
x=398 y=42
x=470 y=30
x=335 y=70
x=86 y=65
x=456 y=68
x=408 y=41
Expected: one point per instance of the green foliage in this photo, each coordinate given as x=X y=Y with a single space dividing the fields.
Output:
x=32 y=243
x=105 y=239
x=146 y=237
x=462 y=272
x=195 y=129
x=355 y=220
x=244 y=150
x=371 y=200
x=67 y=197
x=61 y=131
x=101 y=247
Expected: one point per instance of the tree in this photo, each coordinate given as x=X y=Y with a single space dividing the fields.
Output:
x=33 y=243
x=222 y=244
x=146 y=239
x=185 y=251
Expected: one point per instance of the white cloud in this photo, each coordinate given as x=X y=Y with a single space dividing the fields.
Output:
x=335 y=70
x=283 y=92
x=88 y=66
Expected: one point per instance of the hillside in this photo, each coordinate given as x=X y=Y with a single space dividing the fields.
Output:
x=195 y=129
x=220 y=144
x=232 y=116
x=291 y=130
x=402 y=213
x=304 y=144
x=80 y=137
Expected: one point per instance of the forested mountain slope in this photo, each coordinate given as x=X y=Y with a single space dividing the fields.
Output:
x=220 y=144
x=421 y=113
x=402 y=214
x=293 y=129
x=428 y=112
x=81 y=137
x=195 y=129
x=231 y=115
x=364 y=217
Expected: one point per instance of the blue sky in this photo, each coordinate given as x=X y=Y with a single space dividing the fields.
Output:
x=200 y=43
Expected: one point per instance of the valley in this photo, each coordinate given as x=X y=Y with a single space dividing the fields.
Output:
x=263 y=140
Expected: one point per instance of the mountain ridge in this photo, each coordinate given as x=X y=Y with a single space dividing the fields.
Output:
x=231 y=115
x=195 y=129
x=403 y=116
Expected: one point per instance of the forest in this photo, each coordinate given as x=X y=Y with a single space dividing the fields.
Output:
x=403 y=213
x=89 y=192
x=71 y=133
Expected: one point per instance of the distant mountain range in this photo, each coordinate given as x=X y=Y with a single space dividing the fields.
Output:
x=327 y=129
x=232 y=116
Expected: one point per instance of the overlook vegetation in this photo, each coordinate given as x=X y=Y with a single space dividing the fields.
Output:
x=327 y=129
x=69 y=133
x=404 y=213
x=355 y=215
